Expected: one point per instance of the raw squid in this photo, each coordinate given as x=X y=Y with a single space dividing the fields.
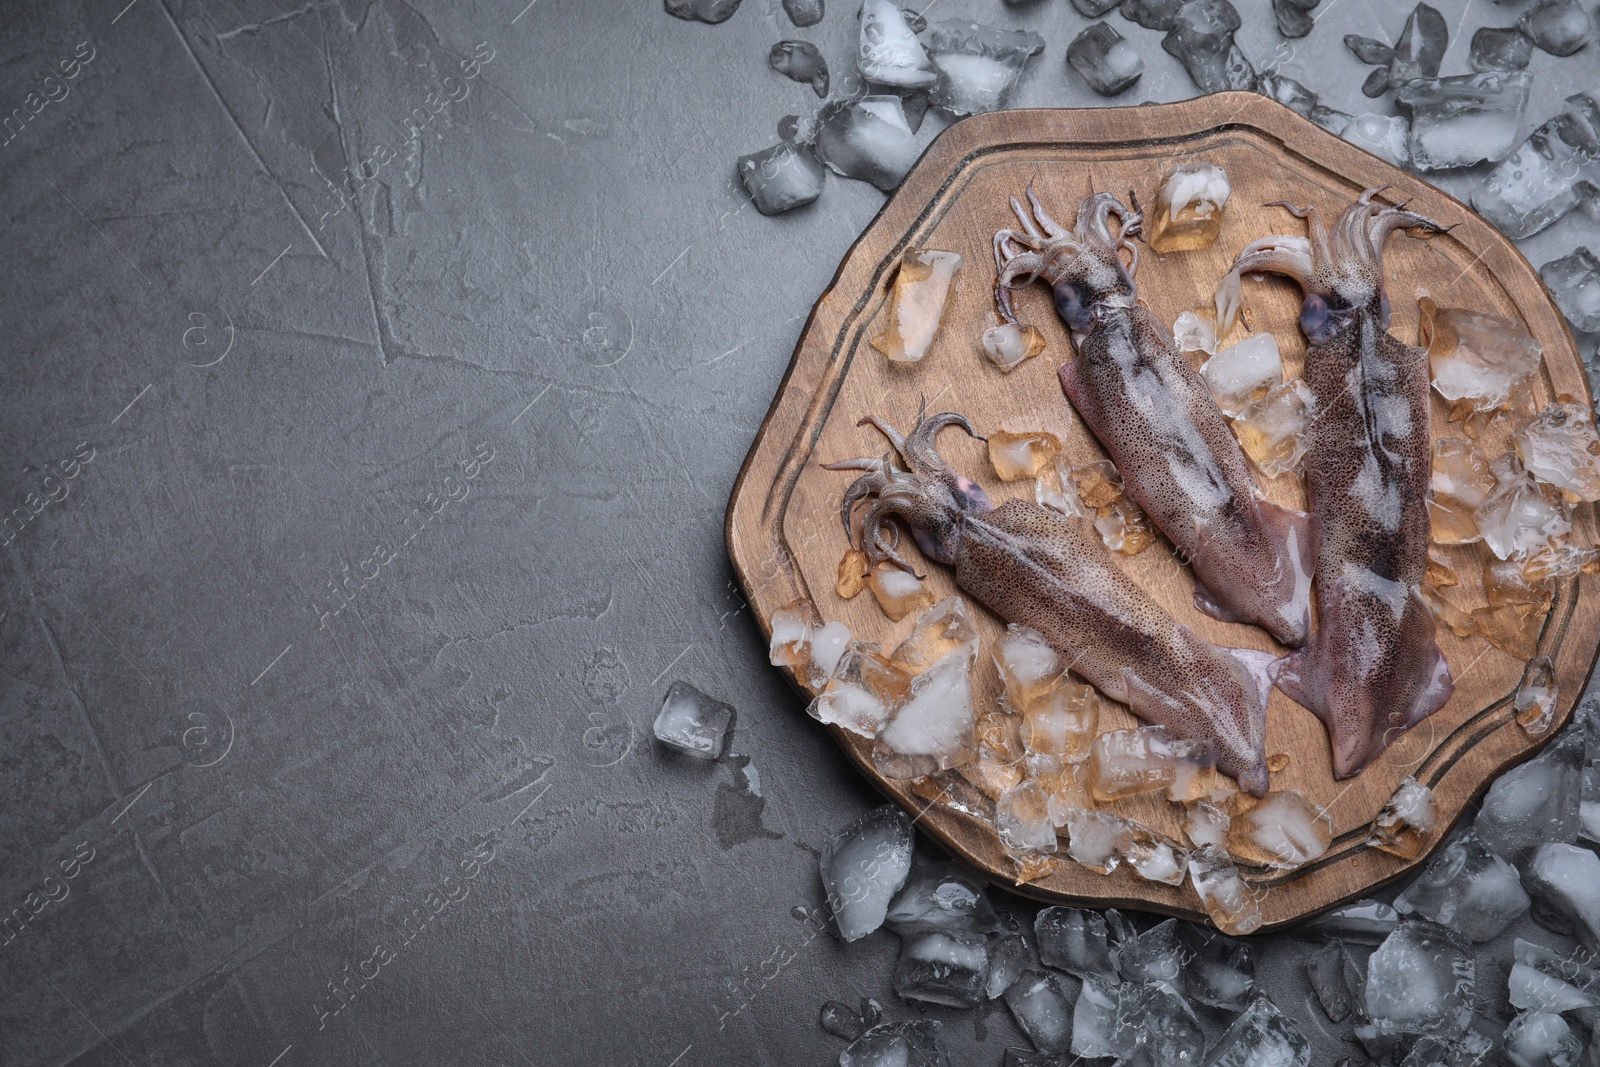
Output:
x=1033 y=566
x=1152 y=412
x=1372 y=670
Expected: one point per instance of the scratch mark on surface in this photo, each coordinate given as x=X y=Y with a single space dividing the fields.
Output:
x=226 y=110
x=257 y=27
x=83 y=709
x=99 y=231
x=99 y=631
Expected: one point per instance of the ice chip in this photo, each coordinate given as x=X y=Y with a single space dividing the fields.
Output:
x=1201 y=38
x=1008 y=345
x=1008 y=959
x=1154 y=955
x=1535 y=802
x=1028 y=666
x=1018 y=456
x=863 y=691
x=1074 y=940
x=1545 y=980
x=1415 y=55
x=1124 y=528
x=890 y=53
x=841 y=1020
x=1420 y=981
x=1386 y=136
x=1221 y=970
x=1535 y=701
x=1518 y=520
x=801 y=61
x=1154 y=856
x=1294 y=16
x=1194 y=334
x=913 y=1044
x=1539 y=1039
x=781 y=178
x=1022 y=819
x=934 y=728
x=1477 y=359
x=692 y=722
x=1227 y=899
x=1288 y=92
x=792 y=627
x=1126 y=762
x=1097 y=1031
x=1207 y=824
x=1407 y=821
x=1538 y=183
x=1152 y=14
x=1466 y=118
x=712 y=11
x=1335 y=979
x=1471 y=1049
x=1189 y=207
x=1498 y=48
x=1062 y=722
x=943 y=630
x=1560 y=27
x=1194 y=770
x=1105 y=59
x=803 y=13
x=1273 y=429
x=1574 y=282
x=868 y=139
x=1262 y=1036
x=978 y=65
x=853 y=572
x=1162 y=1024
x=1469 y=888
x=1056 y=490
x=1089 y=9
x=1564 y=881
x=1462 y=482
x=828 y=646
x=1243 y=372
x=1283 y=830
x=898 y=592
x=1039 y=1007
x=941 y=968
x=916 y=305
x=864 y=866
x=1097 y=839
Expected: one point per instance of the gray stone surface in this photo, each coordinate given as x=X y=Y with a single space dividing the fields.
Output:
x=274 y=334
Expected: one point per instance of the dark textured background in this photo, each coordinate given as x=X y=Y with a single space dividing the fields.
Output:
x=561 y=272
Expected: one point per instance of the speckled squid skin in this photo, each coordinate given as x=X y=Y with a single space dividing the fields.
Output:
x=1033 y=566
x=1373 y=668
x=1150 y=409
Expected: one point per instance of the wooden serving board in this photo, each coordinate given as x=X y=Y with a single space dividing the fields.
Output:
x=783 y=530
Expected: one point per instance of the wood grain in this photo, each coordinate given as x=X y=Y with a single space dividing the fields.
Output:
x=785 y=539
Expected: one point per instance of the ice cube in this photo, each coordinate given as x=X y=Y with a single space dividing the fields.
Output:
x=1386 y=136
x=941 y=968
x=1288 y=92
x=1154 y=955
x=841 y=1020
x=828 y=646
x=1366 y=921
x=1294 y=16
x=1189 y=207
x=1477 y=359
x=1564 y=881
x=1471 y=1049
x=898 y=592
x=1207 y=824
x=943 y=630
x=978 y=65
x=913 y=1044
x=1105 y=59
x=1093 y=9
x=1461 y=483
x=1229 y=902
x=1194 y=334
x=781 y=178
x=1074 y=940
x=1262 y=1036
x=868 y=139
x=1574 y=282
x=1008 y=959
x=863 y=866
x=1220 y=971
x=1154 y=856
x=1124 y=528
x=712 y=11
x=1066 y=783
x=1537 y=184
x=1162 y=1023
x=1125 y=762
x=1535 y=701
x=1194 y=770
x=943 y=898
x=1274 y=428
x=1008 y=345
x=1421 y=980
x=1545 y=980
x=1028 y=666
x=792 y=627
x=933 y=729
x=1335 y=979
x=1535 y=802
x=1539 y=1039
x=1416 y=55
x=1407 y=821
x=1097 y=1031
x=803 y=13
x=1201 y=38
x=1468 y=887
x=1465 y=118
x=692 y=722
x=916 y=305
x=864 y=690
x=1331 y=119
x=1022 y=819
x=801 y=61
x=1039 y=1007
x=1283 y=830
x=1243 y=372
x=1497 y=48
x=1560 y=27
x=1017 y=456
x=1519 y=518
x=1152 y=14
x=890 y=53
